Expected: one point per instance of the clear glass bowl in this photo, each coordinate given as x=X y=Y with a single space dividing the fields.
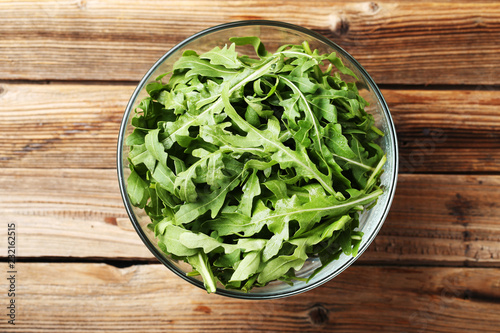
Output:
x=273 y=34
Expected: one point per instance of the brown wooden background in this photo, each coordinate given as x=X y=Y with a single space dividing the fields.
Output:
x=67 y=69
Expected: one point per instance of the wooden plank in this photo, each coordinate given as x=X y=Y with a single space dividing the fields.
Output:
x=148 y=298
x=447 y=130
x=68 y=213
x=76 y=126
x=61 y=125
x=444 y=219
x=434 y=219
x=399 y=42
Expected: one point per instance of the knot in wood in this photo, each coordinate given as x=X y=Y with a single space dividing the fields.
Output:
x=339 y=24
x=373 y=7
x=318 y=315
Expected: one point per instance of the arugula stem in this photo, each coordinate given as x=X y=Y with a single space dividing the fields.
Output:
x=372 y=195
x=285 y=53
x=371 y=181
x=308 y=108
x=364 y=166
x=285 y=136
x=225 y=149
x=200 y=261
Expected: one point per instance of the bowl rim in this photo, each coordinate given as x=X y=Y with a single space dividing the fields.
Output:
x=122 y=181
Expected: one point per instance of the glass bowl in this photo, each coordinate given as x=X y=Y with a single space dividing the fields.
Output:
x=273 y=34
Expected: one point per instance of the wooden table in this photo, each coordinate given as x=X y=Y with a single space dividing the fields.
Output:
x=67 y=69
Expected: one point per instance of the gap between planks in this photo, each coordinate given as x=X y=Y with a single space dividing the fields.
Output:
x=134 y=83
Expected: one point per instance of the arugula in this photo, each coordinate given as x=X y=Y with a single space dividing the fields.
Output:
x=249 y=166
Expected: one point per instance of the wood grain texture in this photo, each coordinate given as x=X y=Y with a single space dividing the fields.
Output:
x=148 y=298
x=68 y=213
x=435 y=265
x=403 y=42
x=76 y=126
x=446 y=219
x=434 y=219
x=61 y=125
x=447 y=130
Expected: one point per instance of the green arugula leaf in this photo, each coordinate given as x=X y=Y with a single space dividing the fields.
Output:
x=250 y=190
x=201 y=264
x=248 y=266
x=213 y=202
x=168 y=237
x=202 y=67
x=276 y=241
x=278 y=188
x=278 y=267
x=228 y=260
x=207 y=243
x=141 y=155
x=226 y=57
x=260 y=49
x=234 y=224
x=165 y=177
x=137 y=189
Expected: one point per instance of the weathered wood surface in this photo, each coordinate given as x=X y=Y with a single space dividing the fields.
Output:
x=435 y=219
x=447 y=219
x=76 y=126
x=67 y=70
x=67 y=213
x=61 y=125
x=148 y=298
x=404 y=42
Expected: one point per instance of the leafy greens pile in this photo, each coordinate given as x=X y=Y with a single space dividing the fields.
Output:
x=248 y=166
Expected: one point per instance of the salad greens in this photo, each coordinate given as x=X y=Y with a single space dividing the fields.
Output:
x=248 y=166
